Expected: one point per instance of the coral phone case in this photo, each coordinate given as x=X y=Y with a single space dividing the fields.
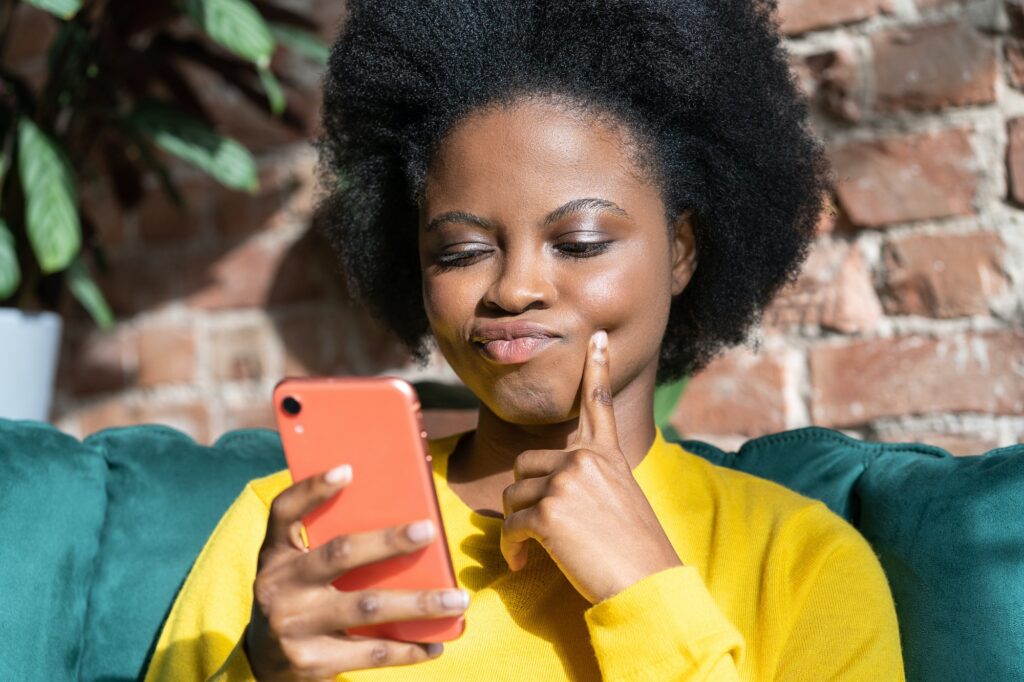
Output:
x=374 y=424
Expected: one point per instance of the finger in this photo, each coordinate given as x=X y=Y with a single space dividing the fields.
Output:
x=516 y=532
x=597 y=415
x=323 y=658
x=345 y=552
x=523 y=494
x=340 y=611
x=298 y=501
x=534 y=463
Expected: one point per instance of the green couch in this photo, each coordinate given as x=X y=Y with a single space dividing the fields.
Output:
x=96 y=537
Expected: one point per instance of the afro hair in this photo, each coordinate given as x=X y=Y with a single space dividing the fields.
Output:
x=705 y=85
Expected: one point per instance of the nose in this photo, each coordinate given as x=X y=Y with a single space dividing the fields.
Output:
x=521 y=283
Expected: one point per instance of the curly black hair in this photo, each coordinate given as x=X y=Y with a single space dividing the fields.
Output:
x=704 y=86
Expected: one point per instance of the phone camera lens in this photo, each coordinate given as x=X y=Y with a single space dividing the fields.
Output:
x=291 y=405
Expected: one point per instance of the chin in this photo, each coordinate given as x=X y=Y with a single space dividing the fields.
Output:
x=518 y=398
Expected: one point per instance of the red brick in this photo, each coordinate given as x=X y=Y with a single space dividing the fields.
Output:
x=956 y=444
x=305 y=338
x=1014 y=53
x=1015 y=159
x=250 y=417
x=96 y=361
x=283 y=191
x=801 y=16
x=853 y=383
x=167 y=354
x=834 y=290
x=161 y=220
x=933 y=175
x=932 y=67
x=190 y=417
x=943 y=275
x=137 y=281
x=237 y=353
x=253 y=273
x=741 y=392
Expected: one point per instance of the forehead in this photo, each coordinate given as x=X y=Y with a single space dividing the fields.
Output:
x=533 y=154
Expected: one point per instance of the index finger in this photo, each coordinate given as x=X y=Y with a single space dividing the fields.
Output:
x=597 y=414
x=298 y=501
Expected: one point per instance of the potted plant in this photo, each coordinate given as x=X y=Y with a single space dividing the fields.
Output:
x=115 y=104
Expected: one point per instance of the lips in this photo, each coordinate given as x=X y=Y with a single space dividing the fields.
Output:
x=512 y=343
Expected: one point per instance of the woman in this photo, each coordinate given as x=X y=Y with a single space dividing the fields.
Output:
x=575 y=201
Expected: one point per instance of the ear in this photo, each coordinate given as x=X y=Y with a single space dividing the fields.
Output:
x=683 y=247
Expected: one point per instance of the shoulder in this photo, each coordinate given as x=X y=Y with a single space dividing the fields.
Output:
x=785 y=518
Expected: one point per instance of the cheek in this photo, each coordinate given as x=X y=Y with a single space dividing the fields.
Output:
x=630 y=300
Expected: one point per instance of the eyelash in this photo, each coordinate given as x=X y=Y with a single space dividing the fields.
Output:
x=465 y=258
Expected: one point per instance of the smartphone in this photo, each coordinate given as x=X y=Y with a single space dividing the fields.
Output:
x=375 y=425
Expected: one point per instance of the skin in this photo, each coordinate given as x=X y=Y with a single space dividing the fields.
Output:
x=558 y=435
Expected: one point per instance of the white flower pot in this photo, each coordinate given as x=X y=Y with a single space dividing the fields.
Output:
x=29 y=351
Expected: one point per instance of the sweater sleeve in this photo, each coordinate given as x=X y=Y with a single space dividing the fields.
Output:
x=666 y=626
x=844 y=625
x=201 y=638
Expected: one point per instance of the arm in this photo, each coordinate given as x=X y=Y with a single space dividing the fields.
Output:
x=845 y=628
x=666 y=626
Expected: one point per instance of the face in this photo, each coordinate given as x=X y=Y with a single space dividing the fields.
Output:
x=536 y=230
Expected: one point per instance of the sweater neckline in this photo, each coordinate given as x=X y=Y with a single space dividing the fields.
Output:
x=442 y=448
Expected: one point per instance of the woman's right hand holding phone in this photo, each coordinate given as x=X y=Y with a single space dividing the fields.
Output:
x=297 y=628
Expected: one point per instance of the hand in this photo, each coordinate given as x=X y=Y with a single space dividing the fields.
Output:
x=298 y=617
x=583 y=504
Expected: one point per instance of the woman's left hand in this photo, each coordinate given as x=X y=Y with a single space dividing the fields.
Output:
x=582 y=504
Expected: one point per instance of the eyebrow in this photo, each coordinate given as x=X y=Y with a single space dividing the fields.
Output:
x=568 y=208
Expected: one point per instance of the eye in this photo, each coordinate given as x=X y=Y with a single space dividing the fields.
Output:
x=582 y=249
x=460 y=258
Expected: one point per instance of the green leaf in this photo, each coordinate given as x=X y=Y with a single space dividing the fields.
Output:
x=10 y=273
x=65 y=9
x=236 y=25
x=88 y=294
x=274 y=92
x=302 y=42
x=191 y=140
x=666 y=398
x=51 y=215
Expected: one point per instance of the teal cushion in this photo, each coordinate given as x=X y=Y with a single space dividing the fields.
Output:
x=51 y=513
x=948 y=532
x=165 y=495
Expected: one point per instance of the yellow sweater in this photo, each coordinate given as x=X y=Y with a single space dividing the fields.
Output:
x=774 y=587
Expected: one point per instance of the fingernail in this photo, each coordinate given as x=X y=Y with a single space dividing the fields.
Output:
x=421 y=531
x=341 y=474
x=601 y=339
x=435 y=648
x=455 y=599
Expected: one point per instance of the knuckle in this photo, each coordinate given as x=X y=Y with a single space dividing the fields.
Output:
x=380 y=653
x=395 y=539
x=581 y=460
x=301 y=659
x=368 y=604
x=546 y=514
x=426 y=602
x=279 y=507
x=264 y=590
x=281 y=624
x=601 y=395
x=561 y=483
x=338 y=550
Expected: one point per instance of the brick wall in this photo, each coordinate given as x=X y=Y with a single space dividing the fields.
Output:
x=906 y=323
